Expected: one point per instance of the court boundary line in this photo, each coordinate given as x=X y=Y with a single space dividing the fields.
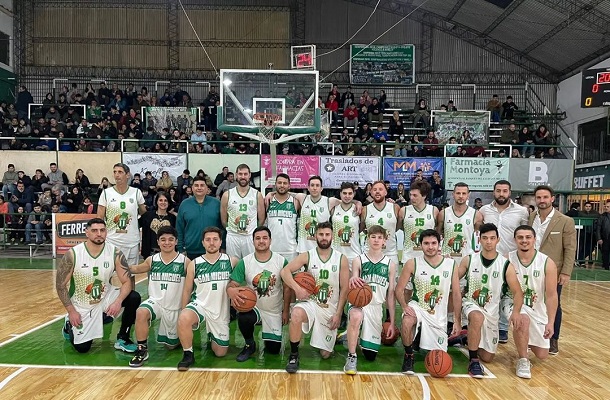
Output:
x=425 y=387
x=27 y=269
x=596 y=285
x=13 y=375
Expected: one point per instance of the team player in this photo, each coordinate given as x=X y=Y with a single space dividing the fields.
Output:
x=416 y=217
x=486 y=274
x=83 y=286
x=207 y=278
x=166 y=273
x=375 y=269
x=537 y=275
x=385 y=214
x=241 y=211
x=261 y=271
x=318 y=313
x=346 y=224
x=282 y=214
x=434 y=279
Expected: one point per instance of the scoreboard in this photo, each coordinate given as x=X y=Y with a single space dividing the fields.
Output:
x=595 y=91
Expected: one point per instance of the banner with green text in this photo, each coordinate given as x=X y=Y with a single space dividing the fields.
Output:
x=382 y=64
x=479 y=174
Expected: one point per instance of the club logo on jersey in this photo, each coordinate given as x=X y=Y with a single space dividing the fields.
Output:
x=495 y=274
x=242 y=223
x=95 y=290
x=536 y=274
x=106 y=264
x=467 y=222
x=415 y=239
x=432 y=298
x=310 y=228
x=481 y=296
x=456 y=244
x=445 y=274
x=322 y=293
x=428 y=216
x=345 y=234
x=122 y=221
x=529 y=297
x=264 y=283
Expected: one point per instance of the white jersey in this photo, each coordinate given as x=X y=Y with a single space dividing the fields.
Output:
x=166 y=281
x=432 y=286
x=326 y=274
x=485 y=284
x=414 y=223
x=210 y=286
x=122 y=215
x=311 y=215
x=459 y=237
x=282 y=222
x=377 y=275
x=264 y=277
x=346 y=228
x=90 y=280
x=387 y=219
x=242 y=212
x=532 y=278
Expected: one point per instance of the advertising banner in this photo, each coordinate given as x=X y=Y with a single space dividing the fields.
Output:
x=139 y=163
x=69 y=231
x=479 y=174
x=336 y=170
x=588 y=178
x=392 y=64
x=402 y=170
x=299 y=168
x=182 y=118
x=527 y=173
x=453 y=124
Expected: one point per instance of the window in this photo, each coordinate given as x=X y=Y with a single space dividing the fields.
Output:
x=5 y=46
x=593 y=142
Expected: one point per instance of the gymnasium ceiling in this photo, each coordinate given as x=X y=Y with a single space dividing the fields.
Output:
x=550 y=38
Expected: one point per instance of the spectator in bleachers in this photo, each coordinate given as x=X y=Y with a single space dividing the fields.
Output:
x=9 y=180
x=118 y=102
x=380 y=135
x=475 y=150
x=167 y=99
x=515 y=153
x=185 y=180
x=65 y=144
x=47 y=103
x=89 y=94
x=334 y=92
x=451 y=147
x=401 y=146
x=45 y=199
x=364 y=133
x=351 y=148
x=364 y=150
x=363 y=116
x=397 y=127
x=466 y=137
x=552 y=153
x=74 y=199
x=332 y=105
x=26 y=180
x=421 y=115
x=438 y=188
x=383 y=100
x=347 y=98
x=417 y=148
x=104 y=184
x=460 y=152
x=501 y=153
x=174 y=201
x=526 y=140
x=368 y=198
x=165 y=182
x=52 y=114
x=478 y=203
x=59 y=197
x=451 y=106
x=136 y=182
x=418 y=177
x=431 y=147
x=495 y=108
x=17 y=224
x=510 y=136
x=62 y=104
x=149 y=139
x=38 y=179
x=73 y=115
x=344 y=136
x=375 y=112
x=35 y=222
x=46 y=143
x=401 y=196
x=365 y=99
x=179 y=95
x=86 y=206
x=226 y=185
x=542 y=138
x=508 y=109
x=350 y=116
x=24 y=97
x=145 y=95
x=208 y=181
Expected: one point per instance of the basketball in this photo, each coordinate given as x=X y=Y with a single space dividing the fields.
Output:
x=384 y=334
x=250 y=302
x=438 y=363
x=306 y=281
x=360 y=296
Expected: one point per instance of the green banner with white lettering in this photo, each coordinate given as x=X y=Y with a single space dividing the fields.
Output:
x=392 y=64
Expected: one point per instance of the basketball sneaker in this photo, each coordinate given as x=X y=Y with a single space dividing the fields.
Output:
x=554 y=347
x=66 y=330
x=293 y=363
x=125 y=345
x=523 y=368
x=188 y=360
x=475 y=369
x=407 y=364
x=503 y=337
x=350 y=365
x=246 y=353
x=140 y=356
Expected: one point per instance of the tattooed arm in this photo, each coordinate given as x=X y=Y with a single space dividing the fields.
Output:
x=62 y=279
x=121 y=267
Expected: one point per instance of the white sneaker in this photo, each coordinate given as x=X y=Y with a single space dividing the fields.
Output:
x=523 y=368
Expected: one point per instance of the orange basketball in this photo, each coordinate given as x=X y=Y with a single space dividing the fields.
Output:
x=306 y=281
x=384 y=334
x=438 y=363
x=360 y=296
x=250 y=302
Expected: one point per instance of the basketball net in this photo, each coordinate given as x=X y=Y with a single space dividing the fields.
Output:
x=266 y=123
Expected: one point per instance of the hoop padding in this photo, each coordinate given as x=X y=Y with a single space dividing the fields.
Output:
x=282 y=130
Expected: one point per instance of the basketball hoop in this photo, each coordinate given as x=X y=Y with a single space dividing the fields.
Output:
x=266 y=123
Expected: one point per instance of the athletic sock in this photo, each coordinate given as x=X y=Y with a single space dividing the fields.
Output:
x=352 y=355
x=190 y=350
x=294 y=347
x=473 y=354
x=409 y=349
x=143 y=343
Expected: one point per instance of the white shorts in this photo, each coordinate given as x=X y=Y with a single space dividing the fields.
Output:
x=272 y=324
x=218 y=329
x=322 y=337
x=536 y=331
x=489 y=330
x=433 y=331
x=168 y=325
x=372 y=324
x=239 y=245
x=92 y=321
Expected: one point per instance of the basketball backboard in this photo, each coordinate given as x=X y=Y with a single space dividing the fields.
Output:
x=292 y=94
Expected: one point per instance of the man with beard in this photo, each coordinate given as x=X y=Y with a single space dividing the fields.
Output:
x=241 y=211
x=282 y=215
x=318 y=313
x=346 y=224
x=416 y=217
x=506 y=215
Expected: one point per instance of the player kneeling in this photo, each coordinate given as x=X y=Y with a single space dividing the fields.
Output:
x=166 y=274
x=376 y=270
x=261 y=271
x=209 y=275
x=318 y=313
x=434 y=278
x=487 y=274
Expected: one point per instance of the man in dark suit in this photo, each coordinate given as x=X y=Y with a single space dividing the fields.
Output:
x=603 y=235
x=555 y=237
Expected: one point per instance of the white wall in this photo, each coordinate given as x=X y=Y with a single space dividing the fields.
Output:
x=6 y=26
x=568 y=100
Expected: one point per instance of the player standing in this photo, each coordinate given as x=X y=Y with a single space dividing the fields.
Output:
x=416 y=217
x=346 y=224
x=385 y=214
x=282 y=214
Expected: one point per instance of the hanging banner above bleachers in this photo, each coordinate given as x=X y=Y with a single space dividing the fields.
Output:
x=527 y=173
x=391 y=64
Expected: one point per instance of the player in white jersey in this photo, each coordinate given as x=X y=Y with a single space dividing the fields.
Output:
x=346 y=224
x=375 y=269
x=385 y=214
x=83 y=286
x=120 y=206
x=537 y=275
x=241 y=211
x=486 y=275
x=434 y=279
x=416 y=217
x=318 y=313
x=166 y=273
x=282 y=213
x=205 y=298
x=261 y=271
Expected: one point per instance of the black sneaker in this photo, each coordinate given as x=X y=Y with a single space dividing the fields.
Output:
x=475 y=369
x=188 y=360
x=293 y=364
x=140 y=357
x=246 y=353
x=408 y=364
x=107 y=319
x=503 y=337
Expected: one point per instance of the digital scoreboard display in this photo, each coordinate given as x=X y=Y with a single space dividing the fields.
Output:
x=595 y=91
